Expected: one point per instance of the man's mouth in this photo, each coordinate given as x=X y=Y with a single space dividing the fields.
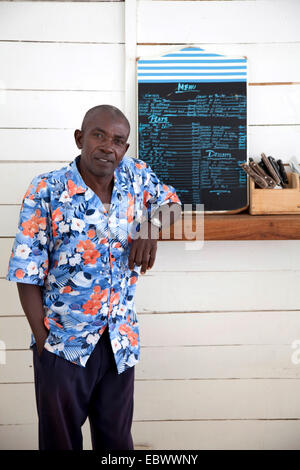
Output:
x=104 y=160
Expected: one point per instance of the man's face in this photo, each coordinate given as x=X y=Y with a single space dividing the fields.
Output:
x=103 y=143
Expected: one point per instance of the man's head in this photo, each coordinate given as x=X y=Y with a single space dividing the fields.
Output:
x=102 y=139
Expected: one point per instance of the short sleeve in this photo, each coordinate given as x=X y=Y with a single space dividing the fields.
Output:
x=156 y=193
x=29 y=261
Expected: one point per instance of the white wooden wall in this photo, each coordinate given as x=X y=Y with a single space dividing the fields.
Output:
x=217 y=324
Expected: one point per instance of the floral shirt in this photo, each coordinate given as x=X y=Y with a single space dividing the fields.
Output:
x=68 y=243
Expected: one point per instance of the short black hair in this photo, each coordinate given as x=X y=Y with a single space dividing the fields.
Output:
x=116 y=112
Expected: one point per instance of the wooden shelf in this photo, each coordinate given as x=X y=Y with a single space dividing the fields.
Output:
x=244 y=226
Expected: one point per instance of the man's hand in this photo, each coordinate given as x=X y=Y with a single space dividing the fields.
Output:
x=40 y=341
x=32 y=303
x=143 y=249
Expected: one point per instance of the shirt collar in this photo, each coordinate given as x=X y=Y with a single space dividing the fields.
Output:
x=76 y=184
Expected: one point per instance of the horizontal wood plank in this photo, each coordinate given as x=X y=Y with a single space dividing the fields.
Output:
x=221 y=21
x=223 y=328
x=273 y=104
x=181 y=435
x=38 y=145
x=248 y=227
x=52 y=109
x=279 y=141
x=182 y=400
x=52 y=21
x=229 y=255
x=184 y=362
x=189 y=329
x=55 y=66
x=202 y=399
x=218 y=435
x=11 y=216
x=19 y=176
x=165 y=292
x=216 y=362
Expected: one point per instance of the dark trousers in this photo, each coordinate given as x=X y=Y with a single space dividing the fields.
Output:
x=66 y=394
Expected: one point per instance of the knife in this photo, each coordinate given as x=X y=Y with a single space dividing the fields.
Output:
x=276 y=168
x=259 y=180
x=270 y=169
x=256 y=167
x=282 y=172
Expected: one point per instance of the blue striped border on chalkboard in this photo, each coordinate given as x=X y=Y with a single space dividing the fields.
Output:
x=219 y=69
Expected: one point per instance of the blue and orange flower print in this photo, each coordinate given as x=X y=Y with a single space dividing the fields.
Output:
x=77 y=251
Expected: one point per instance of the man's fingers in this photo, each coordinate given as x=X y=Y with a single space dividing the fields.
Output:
x=151 y=261
x=145 y=262
x=152 y=256
x=136 y=254
x=131 y=257
x=139 y=255
x=142 y=254
x=131 y=263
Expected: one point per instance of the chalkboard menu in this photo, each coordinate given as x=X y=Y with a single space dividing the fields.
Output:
x=192 y=126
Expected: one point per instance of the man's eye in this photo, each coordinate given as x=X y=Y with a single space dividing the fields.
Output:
x=99 y=135
x=119 y=142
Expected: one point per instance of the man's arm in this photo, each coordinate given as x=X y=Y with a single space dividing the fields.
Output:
x=168 y=216
x=31 y=300
x=143 y=249
x=29 y=260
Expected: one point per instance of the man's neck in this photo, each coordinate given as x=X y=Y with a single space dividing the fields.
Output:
x=99 y=184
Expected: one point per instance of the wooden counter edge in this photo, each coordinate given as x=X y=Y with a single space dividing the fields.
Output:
x=242 y=226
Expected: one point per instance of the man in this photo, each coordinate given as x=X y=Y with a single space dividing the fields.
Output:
x=85 y=231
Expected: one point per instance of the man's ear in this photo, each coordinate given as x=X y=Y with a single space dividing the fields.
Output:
x=78 y=138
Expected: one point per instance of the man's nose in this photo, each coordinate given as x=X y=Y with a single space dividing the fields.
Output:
x=107 y=146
